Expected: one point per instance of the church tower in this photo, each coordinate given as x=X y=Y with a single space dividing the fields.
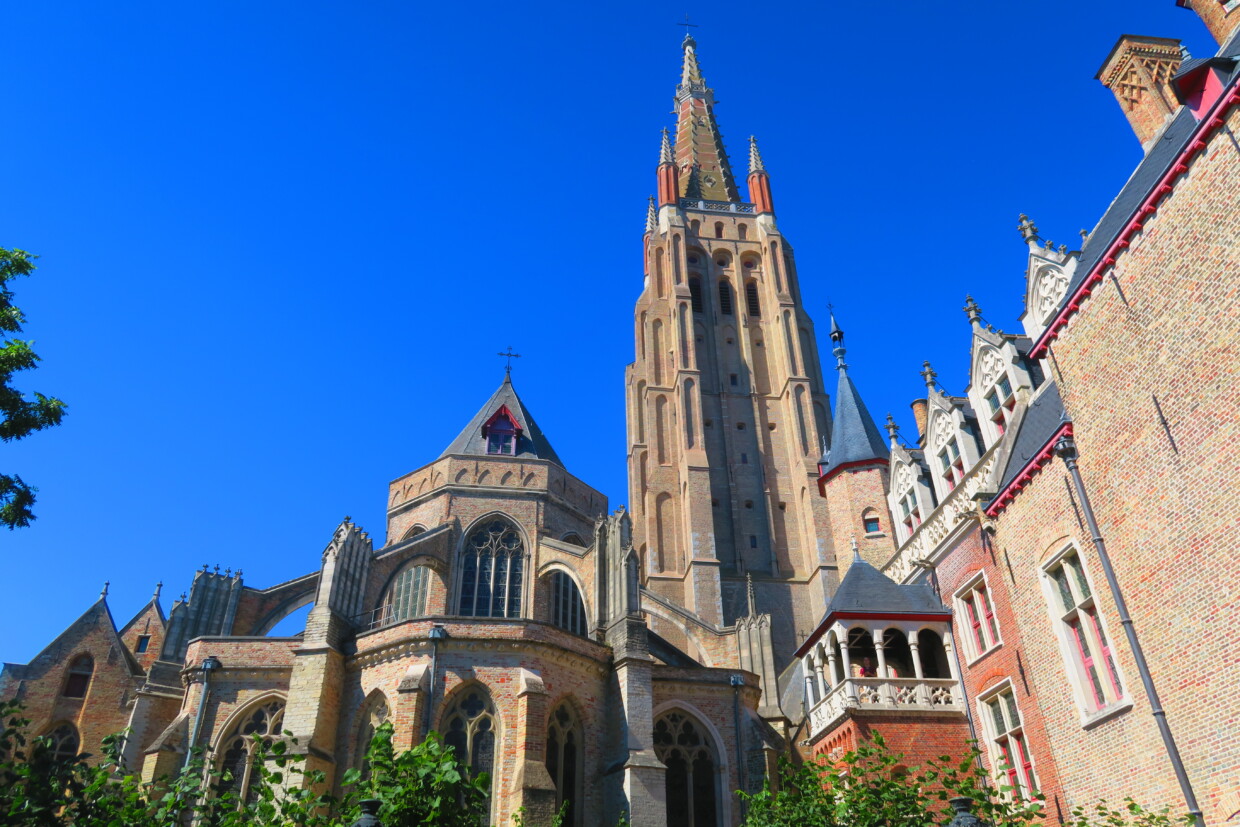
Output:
x=726 y=406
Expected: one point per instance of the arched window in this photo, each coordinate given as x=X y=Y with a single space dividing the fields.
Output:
x=725 y=298
x=751 y=299
x=77 y=683
x=414 y=531
x=372 y=718
x=65 y=742
x=406 y=595
x=681 y=744
x=492 y=566
x=870 y=521
x=264 y=724
x=469 y=727
x=695 y=293
x=564 y=756
x=567 y=610
x=718 y=229
x=743 y=229
x=694 y=226
x=573 y=538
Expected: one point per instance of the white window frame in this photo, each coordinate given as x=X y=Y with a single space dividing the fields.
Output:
x=1027 y=780
x=993 y=637
x=1074 y=666
x=952 y=469
x=999 y=412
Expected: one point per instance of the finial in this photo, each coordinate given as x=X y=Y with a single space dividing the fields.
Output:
x=158 y=587
x=228 y=572
x=688 y=42
x=856 y=550
x=347 y=519
x=238 y=574
x=893 y=430
x=755 y=157
x=182 y=597
x=753 y=611
x=1028 y=230
x=104 y=592
x=217 y=568
x=1084 y=236
x=928 y=374
x=837 y=336
x=508 y=356
x=971 y=308
x=1185 y=54
x=651 y=221
x=665 y=149
x=837 y=333
x=205 y=566
x=1063 y=249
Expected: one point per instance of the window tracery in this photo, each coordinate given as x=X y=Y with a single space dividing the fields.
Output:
x=259 y=727
x=65 y=742
x=568 y=612
x=492 y=566
x=1049 y=288
x=372 y=719
x=469 y=726
x=681 y=744
x=564 y=763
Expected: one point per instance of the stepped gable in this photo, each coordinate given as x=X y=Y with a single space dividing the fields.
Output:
x=531 y=443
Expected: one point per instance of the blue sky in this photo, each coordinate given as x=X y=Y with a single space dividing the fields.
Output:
x=282 y=242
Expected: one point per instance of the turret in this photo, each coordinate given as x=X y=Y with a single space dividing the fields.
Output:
x=759 y=181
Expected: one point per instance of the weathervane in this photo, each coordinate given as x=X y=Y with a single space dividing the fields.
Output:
x=508 y=356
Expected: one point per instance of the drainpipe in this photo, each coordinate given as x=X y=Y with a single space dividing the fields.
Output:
x=1066 y=448
x=436 y=634
x=209 y=665
x=737 y=682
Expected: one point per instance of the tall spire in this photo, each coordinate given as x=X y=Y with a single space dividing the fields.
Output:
x=855 y=438
x=755 y=157
x=706 y=172
x=651 y=215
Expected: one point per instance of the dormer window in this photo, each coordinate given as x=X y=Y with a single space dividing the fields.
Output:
x=951 y=465
x=1000 y=402
x=501 y=432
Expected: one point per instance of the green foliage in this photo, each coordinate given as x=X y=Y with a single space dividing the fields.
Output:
x=872 y=788
x=19 y=416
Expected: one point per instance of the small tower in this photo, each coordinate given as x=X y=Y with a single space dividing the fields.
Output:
x=853 y=468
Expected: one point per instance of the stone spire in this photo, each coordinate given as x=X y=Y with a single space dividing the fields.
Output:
x=650 y=216
x=755 y=157
x=706 y=172
x=665 y=148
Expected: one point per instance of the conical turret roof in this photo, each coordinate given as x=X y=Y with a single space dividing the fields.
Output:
x=531 y=443
x=855 y=437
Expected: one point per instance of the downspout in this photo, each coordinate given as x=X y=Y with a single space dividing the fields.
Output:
x=1066 y=448
x=209 y=665
x=737 y=682
x=436 y=634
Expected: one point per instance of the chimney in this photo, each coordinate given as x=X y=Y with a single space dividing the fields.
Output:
x=920 y=407
x=1220 y=16
x=1138 y=72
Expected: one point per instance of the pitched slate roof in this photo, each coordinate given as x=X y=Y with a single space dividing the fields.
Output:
x=1042 y=419
x=866 y=589
x=531 y=444
x=854 y=436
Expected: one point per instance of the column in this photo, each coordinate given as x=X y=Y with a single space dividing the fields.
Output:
x=848 y=681
x=923 y=691
x=884 y=689
x=822 y=687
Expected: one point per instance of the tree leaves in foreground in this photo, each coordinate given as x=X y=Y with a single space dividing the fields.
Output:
x=19 y=416
x=871 y=787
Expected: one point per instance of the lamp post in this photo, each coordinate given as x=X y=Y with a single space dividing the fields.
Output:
x=209 y=664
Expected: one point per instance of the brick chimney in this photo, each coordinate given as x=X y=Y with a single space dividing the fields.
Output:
x=1138 y=71
x=920 y=411
x=1221 y=16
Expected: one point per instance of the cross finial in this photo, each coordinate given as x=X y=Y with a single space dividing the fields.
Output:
x=855 y=549
x=928 y=374
x=158 y=587
x=893 y=430
x=508 y=357
x=104 y=592
x=971 y=308
x=1028 y=230
x=688 y=26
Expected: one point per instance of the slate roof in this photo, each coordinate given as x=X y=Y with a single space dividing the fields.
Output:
x=1149 y=172
x=1043 y=418
x=854 y=436
x=866 y=589
x=531 y=444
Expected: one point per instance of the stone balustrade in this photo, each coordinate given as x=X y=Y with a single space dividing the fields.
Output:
x=902 y=695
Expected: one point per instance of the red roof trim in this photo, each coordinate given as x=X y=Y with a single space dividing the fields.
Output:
x=858 y=463
x=1032 y=467
x=1210 y=123
x=504 y=413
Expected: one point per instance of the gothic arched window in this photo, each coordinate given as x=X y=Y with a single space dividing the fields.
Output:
x=78 y=682
x=65 y=742
x=564 y=757
x=469 y=727
x=406 y=596
x=725 y=298
x=751 y=298
x=261 y=726
x=374 y=716
x=492 y=565
x=567 y=610
x=695 y=294
x=681 y=744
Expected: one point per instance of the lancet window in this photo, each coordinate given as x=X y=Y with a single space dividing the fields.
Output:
x=372 y=718
x=492 y=568
x=1089 y=648
x=407 y=594
x=261 y=726
x=751 y=299
x=978 y=611
x=692 y=796
x=469 y=726
x=567 y=610
x=1009 y=751
x=564 y=763
x=725 y=298
x=81 y=669
x=65 y=742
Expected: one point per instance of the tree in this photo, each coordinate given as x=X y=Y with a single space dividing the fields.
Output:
x=19 y=416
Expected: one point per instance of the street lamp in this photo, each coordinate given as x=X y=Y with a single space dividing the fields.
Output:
x=437 y=633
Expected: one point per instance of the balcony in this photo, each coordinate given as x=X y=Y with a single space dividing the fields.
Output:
x=895 y=695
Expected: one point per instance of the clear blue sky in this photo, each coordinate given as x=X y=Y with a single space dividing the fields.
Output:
x=282 y=242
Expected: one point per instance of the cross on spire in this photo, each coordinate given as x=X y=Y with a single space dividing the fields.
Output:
x=508 y=357
x=687 y=25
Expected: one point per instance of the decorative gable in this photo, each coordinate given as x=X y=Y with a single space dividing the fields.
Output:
x=951 y=443
x=503 y=421
x=999 y=381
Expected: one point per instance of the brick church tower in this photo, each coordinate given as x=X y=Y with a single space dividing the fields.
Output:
x=726 y=404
